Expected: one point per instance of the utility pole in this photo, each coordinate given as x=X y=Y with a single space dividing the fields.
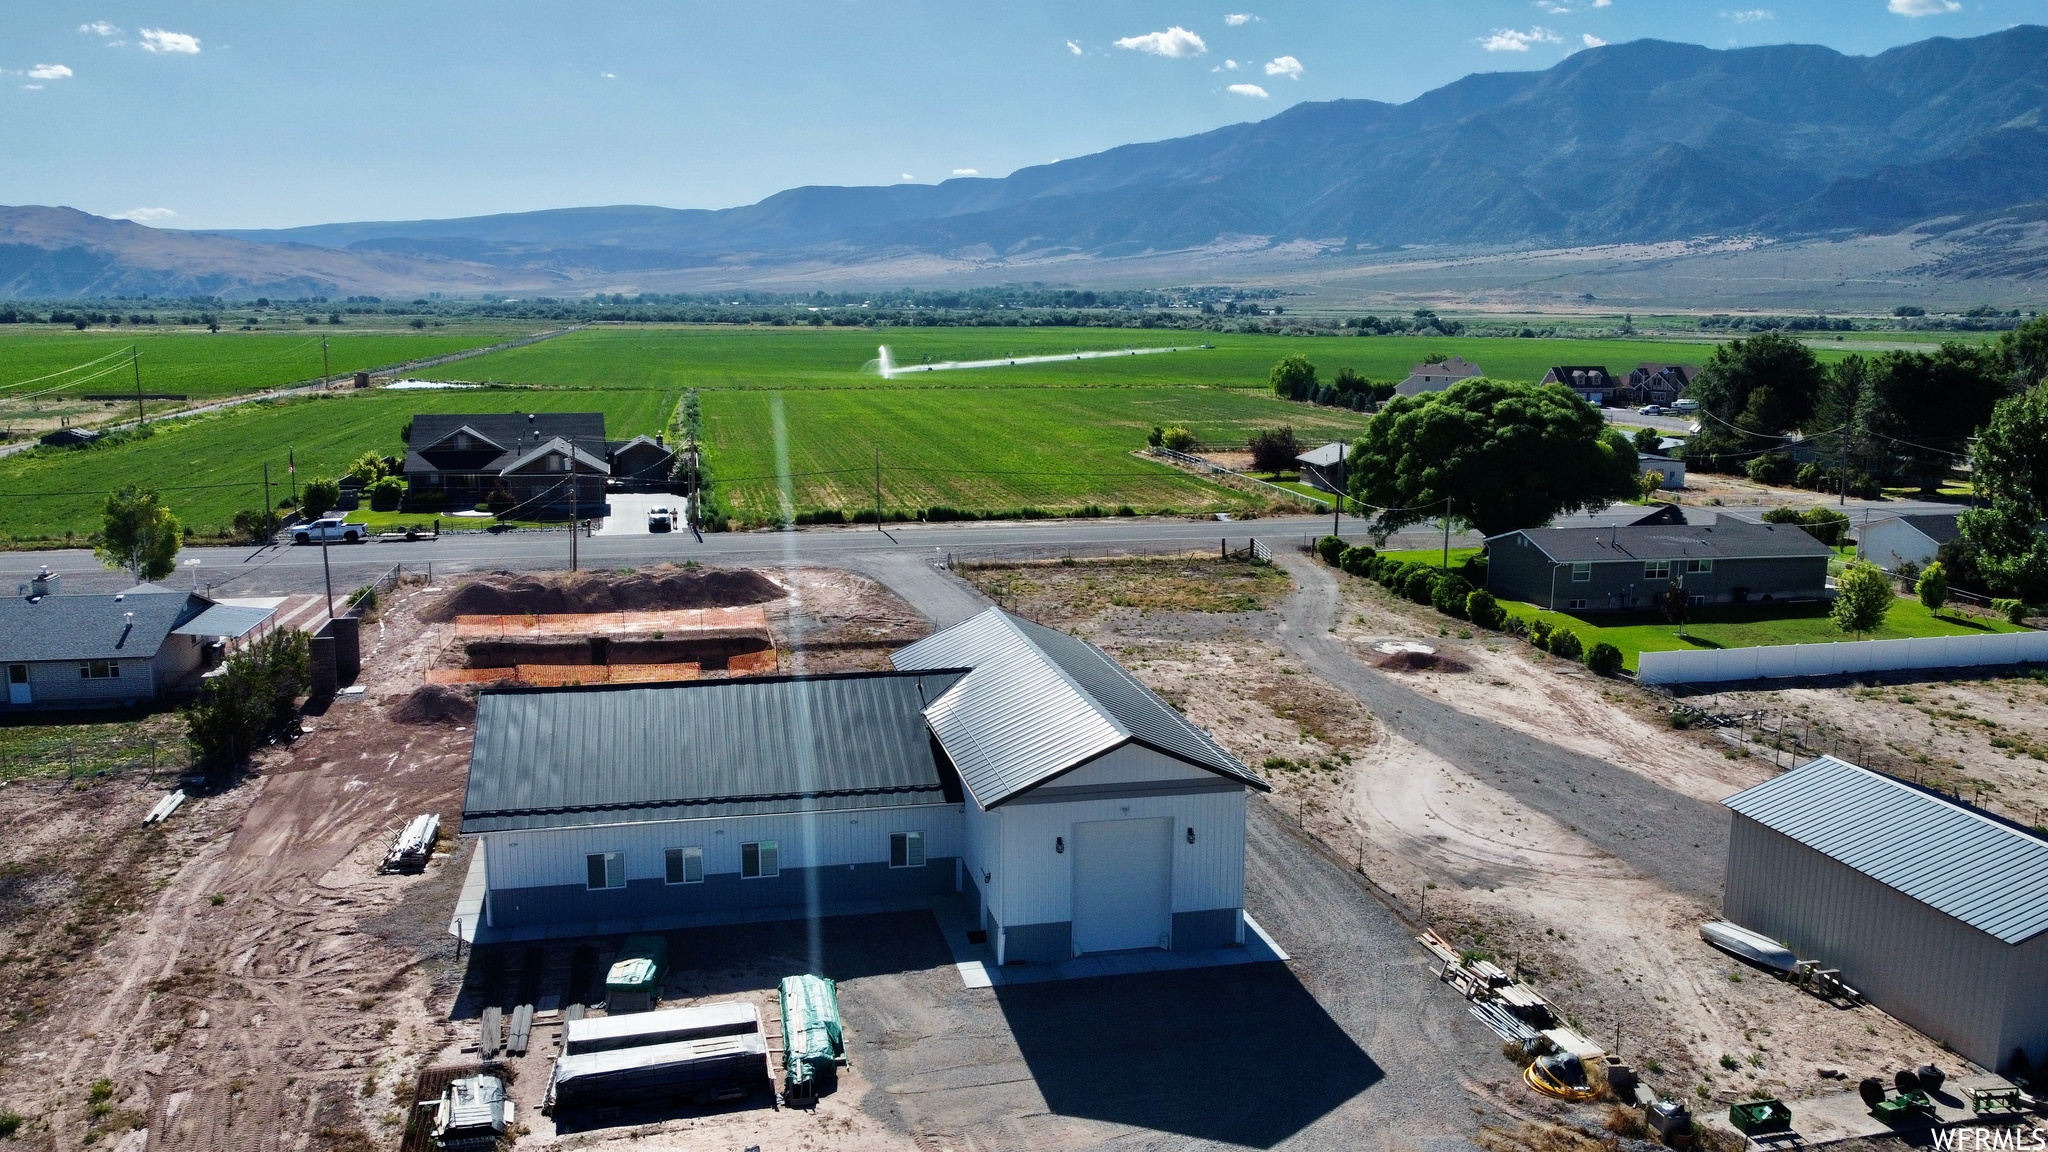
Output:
x=326 y=369
x=878 y=489
x=575 y=507
x=265 y=523
x=1447 y=533
x=326 y=573
x=1336 y=510
x=135 y=357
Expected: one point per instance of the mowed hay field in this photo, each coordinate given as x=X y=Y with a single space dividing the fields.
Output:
x=209 y=467
x=804 y=357
x=206 y=365
x=984 y=449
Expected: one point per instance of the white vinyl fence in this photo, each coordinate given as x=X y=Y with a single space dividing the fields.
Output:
x=1716 y=664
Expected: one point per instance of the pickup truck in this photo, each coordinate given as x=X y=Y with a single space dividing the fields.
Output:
x=660 y=519
x=330 y=530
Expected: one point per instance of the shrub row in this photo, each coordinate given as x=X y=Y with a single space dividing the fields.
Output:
x=1454 y=595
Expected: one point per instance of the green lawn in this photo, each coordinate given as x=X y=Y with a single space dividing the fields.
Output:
x=982 y=449
x=1751 y=626
x=201 y=364
x=209 y=467
x=1431 y=556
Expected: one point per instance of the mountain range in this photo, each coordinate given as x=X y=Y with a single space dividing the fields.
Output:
x=1636 y=143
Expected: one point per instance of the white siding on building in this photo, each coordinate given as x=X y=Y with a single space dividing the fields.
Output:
x=1890 y=543
x=981 y=842
x=1036 y=882
x=551 y=857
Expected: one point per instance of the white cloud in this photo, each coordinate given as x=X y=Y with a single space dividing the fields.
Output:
x=1176 y=42
x=1235 y=19
x=1750 y=15
x=1918 y=8
x=100 y=28
x=171 y=43
x=608 y=75
x=908 y=176
x=143 y=215
x=1592 y=41
x=1249 y=90
x=1286 y=66
x=965 y=172
x=1510 y=40
x=32 y=87
x=1073 y=47
x=1602 y=3
x=1553 y=8
x=49 y=72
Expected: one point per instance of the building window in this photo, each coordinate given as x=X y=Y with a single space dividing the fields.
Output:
x=1574 y=605
x=1582 y=571
x=462 y=441
x=1692 y=566
x=906 y=850
x=760 y=860
x=605 y=870
x=99 y=670
x=1656 y=569
x=685 y=865
x=1698 y=600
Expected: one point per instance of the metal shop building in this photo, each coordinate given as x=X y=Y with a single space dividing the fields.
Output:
x=1935 y=910
x=1000 y=759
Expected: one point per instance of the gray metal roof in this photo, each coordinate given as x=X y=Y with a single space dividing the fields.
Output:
x=1940 y=527
x=230 y=620
x=1726 y=539
x=93 y=627
x=1039 y=703
x=567 y=757
x=1981 y=870
x=1327 y=456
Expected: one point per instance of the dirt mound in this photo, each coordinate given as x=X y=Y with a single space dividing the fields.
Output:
x=505 y=594
x=1419 y=662
x=434 y=704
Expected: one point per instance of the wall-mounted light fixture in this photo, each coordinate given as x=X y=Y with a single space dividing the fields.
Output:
x=985 y=876
x=1059 y=844
x=1191 y=834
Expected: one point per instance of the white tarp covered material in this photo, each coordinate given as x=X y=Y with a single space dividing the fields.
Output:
x=1721 y=664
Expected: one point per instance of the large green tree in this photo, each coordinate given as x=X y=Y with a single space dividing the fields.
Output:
x=2009 y=466
x=1294 y=378
x=1752 y=389
x=1922 y=409
x=1505 y=455
x=138 y=533
x=2025 y=351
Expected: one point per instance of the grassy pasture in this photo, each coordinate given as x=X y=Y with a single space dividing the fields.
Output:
x=209 y=365
x=801 y=357
x=982 y=449
x=208 y=467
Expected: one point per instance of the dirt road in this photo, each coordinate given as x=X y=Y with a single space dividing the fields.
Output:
x=1676 y=839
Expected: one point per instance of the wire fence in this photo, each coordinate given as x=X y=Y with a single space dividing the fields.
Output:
x=1215 y=469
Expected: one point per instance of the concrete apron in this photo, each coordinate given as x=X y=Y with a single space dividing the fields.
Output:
x=976 y=963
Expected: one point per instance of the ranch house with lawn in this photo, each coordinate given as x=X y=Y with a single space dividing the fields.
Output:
x=456 y=461
x=1631 y=567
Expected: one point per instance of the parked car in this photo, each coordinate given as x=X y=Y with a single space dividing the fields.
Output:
x=330 y=530
x=1683 y=406
x=660 y=519
x=1650 y=410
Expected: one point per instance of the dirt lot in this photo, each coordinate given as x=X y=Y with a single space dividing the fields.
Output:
x=1613 y=946
x=241 y=978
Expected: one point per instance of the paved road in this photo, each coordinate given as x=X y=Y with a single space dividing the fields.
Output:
x=1680 y=841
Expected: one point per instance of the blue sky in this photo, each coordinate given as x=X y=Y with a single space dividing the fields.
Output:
x=239 y=115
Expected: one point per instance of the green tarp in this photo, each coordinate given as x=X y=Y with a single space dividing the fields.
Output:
x=638 y=967
x=811 y=1036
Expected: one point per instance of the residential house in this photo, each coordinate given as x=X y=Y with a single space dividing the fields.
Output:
x=1896 y=541
x=1619 y=568
x=1591 y=381
x=1323 y=468
x=123 y=649
x=1436 y=377
x=549 y=463
x=1670 y=467
x=642 y=461
x=1007 y=761
x=1658 y=383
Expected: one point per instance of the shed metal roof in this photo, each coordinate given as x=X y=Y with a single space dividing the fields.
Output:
x=1329 y=455
x=1726 y=539
x=1981 y=870
x=1039 y=703
x=230 y=620
x=121 y=626
x=568 y=757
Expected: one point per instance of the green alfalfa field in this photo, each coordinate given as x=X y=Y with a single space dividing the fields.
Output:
x=1056 y=436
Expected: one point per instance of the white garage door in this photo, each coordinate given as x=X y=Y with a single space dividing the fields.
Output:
x=1123 y=885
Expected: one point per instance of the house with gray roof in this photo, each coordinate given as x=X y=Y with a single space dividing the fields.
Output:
x=1897 y=541
x=1935 y=910
x=1436 y=375
x=1622 y=567
x=1006 y=761
x=549 y=463
x=117 y=650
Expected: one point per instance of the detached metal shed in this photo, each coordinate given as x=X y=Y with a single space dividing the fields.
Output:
x=1935 y=910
